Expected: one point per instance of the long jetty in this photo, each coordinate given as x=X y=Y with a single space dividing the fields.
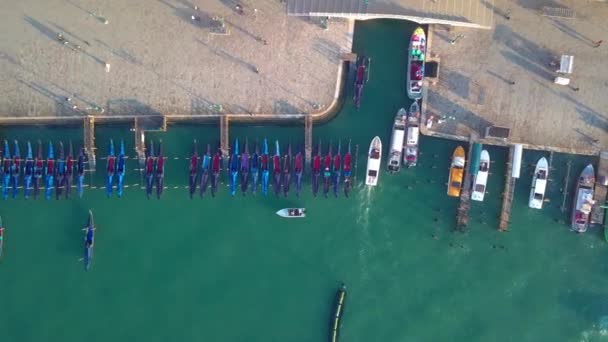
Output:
x=507 y=195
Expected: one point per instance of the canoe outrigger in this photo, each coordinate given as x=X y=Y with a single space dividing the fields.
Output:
x=337 y=314
x=60 y=172
x=206 y=166
x=327 y=171
x=298 y=170
x=111 y=169
x=193 y=169
x=255 y=168
x=16 y=170
x=69 y=171
x=28 y=171
x=121 y=169
x=38 y=169
x=89 y=242
x=160 y=171
x=347 y=171
x=316 y=170
x=49 y=169
x=150 y=170
x=80 y=173
x=337 y=169
x=245 y=168
x=7 y=164
x=264 y=167
x=234 y=167
x=216 y=167
x=286 y=179
x=276 y=168
x=362 y=76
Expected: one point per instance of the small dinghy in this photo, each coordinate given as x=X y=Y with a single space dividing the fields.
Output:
x=292 y=212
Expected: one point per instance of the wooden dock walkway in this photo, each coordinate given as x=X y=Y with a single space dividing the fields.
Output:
x=462 y=218
x=597 y=215
x=507 y=195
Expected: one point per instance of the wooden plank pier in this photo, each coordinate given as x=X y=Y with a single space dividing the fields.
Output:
x=507 y=195
x=224 y=135
x=89 y=140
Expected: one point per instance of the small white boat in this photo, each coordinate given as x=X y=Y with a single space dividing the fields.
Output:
x=373 y=162
x=539 y=184
x=410 y=158
x=394 y=157
x=479 y=188
x=292 y=212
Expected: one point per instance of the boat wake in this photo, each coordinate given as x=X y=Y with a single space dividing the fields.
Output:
x=366 y=247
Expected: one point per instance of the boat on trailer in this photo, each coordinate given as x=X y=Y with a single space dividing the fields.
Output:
x=121 y=170
x=539 y=184
x=89 y=242
x=481 y=179
x=206 y=170
x=316 y=170
x=49 y=172
x=397 y=138
x=415 y=64
x=374 y=158
x=110 y=169
x=292 y=212
x=245 y=168
x=193 y=169
x=69 y=171
x=160 y=171
x=456 y=172
x=410 y=157
x=583 y=200
x=347 y=170
x=38 y=169
x=361 y=77
x=28 y=171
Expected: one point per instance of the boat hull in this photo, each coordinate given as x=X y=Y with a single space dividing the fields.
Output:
x=583 y=200
x=415 y=64
x=374 y=159
x=456 y=172
x=539 y=184
x=481 y=179
x=292 y=212
x=397 y=139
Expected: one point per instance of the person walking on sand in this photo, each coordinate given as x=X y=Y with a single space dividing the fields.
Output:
x=598 y=43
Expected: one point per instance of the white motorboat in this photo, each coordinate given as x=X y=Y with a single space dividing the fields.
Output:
x=394 y=157
x=292 y=212
x=539 y=184
x=410 y=158
x=479 y=188
x=373 y=162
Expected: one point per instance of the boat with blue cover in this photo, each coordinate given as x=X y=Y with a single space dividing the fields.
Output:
x=234 y=167
x=337 y=170
x=264 y=167
x=150 y=170
x=16 y=170
x=206 y=167
x=28 y=171
x=286 y=179
x=255 y=168
x=160 y=171
x=69 y=171
x=316 y=171
x=80 y=173
x=298 y=170
x=60 y=172
x=347 y=171
x=327 y=171
x=49 y=172
x=120 y=170
x=193 y=170
x=38 y=169
x=111 y=169
x=276 y=168
x=7 y=165
x=216 y=168
x=245 y=168
x=89 y=242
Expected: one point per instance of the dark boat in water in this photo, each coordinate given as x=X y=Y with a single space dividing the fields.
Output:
x=255 y=168
x=298 y=170
x=111 y=169
x=337 y=313
x=361 y=77
x=89 y=242
x=234 y=167
x=286 y=180
x=121 y=169
x=16 y=170
x=337 y=170
x=28 y=171
x=327 y=171
x=276 y=168
x=7 y=164
x=206 y=167
x=38 y=169
x=193 y=172
x=583 y=200
x=245 y=168
x=264 y=167
x=347 y=171
x=160 y=171
x=60 y=172
x=69 y=171
x=316 y=170
x=80 y=173
x=150 y=170
x=49 y=172
x=216 y=167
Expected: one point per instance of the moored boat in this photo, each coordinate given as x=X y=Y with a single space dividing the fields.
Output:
x=276 y=168
x=410 y=157
x=361 y=77
x=374 y=158
x=193 y=171
x=38 y=169
x=264 y=167
x=1 y=238
x=583 y=200
x=80 y=173
x=60 y=172
x=292 y=212
x=337 y=313
x=397 y=138
x=347 y=170
x=28 y=171
x=206 y=167
x=316 y=170
x=255 y=168
x=150 y=170
x=415 y=64
x=234 y=167
x=7 y=164
x=456 y=172
x=16 y=170
x=89 y=242
x=286 y=179
x=245 y=168
x=49 y=172
x=120 y=170
x=110 y=169
x=69 y=170
x=298 y=170
x=481 y=179
x=160 y=171
x=539 y=184
x=216 y=168
x=337 y=170
x=327 y=171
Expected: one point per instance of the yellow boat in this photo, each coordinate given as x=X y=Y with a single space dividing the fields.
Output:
x=456 y=172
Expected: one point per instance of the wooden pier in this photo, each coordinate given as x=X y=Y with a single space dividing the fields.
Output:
x=462 y=218
x=89 y=140
x=601 y=189
x=224 y=135
x=507 y=195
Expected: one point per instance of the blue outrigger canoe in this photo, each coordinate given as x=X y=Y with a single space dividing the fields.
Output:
x=80 y=173
x=347 y=171
x=49 y=170
x=193 y=169
x=120 y=170
x=38 y=169
x=276 y=168
x=234 y=167
x=69 y=171
x=327 y=171
x=255 y=168
x=6 y=170
x=28 y=170
x=265 y=168
x=337 y=170
x=245 y=168
x=89 y=242
x=160 y=171
x=316 y=170
x=150 y=170
x=111 y=169
x=216 y=168
x=16 y=170
x=60 y=172
x=206 y=167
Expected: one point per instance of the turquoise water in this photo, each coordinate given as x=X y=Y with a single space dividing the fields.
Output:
x=229 y=269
